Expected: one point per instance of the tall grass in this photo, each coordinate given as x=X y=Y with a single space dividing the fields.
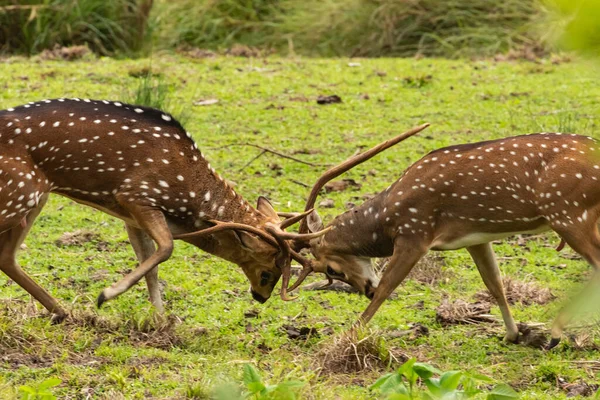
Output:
x=369 y=28
x=150 y=90
x=217 y=23
x=409 y=27
x=107 y=27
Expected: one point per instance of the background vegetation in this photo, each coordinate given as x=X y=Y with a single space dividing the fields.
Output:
x=370 y=28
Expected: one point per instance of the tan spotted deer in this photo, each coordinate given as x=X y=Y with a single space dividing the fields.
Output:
x=137 y=164
x=466 y=196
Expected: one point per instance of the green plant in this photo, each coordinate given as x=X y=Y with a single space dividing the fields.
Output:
x=259 y=390
x=40 y=391
x=150 y=90
x=402 y=384
x=107 y=27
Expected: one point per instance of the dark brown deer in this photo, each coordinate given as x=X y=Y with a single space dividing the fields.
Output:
x=466 y=196
x=137 y=164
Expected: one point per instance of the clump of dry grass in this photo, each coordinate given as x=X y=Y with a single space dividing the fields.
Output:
x=461 y=312
x=428 y=271
x=526 y=293
x=355 y=351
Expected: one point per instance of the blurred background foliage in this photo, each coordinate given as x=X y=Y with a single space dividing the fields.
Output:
x=366 y=28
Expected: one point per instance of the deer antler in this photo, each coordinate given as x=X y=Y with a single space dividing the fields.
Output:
x=335 y=172
x=274 y=236
x=349 y=164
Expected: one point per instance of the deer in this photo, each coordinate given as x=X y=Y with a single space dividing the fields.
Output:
x=140 y=165
x=466 y=196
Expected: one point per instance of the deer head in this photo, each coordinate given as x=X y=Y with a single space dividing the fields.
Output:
x=263 y=254
x=350 y=268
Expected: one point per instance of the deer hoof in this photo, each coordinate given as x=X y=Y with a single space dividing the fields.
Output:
x=101 y=299
x=553 y=343
x=57 y=318
x=511 y=338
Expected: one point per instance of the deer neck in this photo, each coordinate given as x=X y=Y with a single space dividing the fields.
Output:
x=360 y=231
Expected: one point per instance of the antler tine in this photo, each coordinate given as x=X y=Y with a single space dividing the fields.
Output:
x=302 y=237
x=291 y=220
x=287 y=214
x=222 y=226
x=285 y=257
x=350 y=163
x=306 y=271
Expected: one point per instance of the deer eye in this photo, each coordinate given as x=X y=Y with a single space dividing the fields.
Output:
x=265 y=278
x=333 y=272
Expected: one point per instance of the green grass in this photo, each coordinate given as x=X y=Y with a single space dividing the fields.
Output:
x=117 y=350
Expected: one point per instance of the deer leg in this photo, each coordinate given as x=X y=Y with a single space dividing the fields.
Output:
x=586 y=242
x=406 y=255
x=485 y=260
x=143 y=246
x=10 y=240
x=153 y=223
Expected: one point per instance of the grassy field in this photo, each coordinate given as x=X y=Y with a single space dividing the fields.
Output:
x=214 y=327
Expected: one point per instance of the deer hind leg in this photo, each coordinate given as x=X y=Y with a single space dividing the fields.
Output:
x=10 y=240
x=485 y=260
x=406 y=254
x=585 y=240
x=144 y=248
x=152 y=222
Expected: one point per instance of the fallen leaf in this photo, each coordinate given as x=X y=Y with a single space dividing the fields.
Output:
x=206 y=102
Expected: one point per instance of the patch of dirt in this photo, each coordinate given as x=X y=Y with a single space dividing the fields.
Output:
x=339 y=186
x=527 y=53
x=526 y=293
x=300 y=333
x=327 y=203
x=462 y=312
x=352 y=352
x=70 y=53
x=195 y=52
x=333 y=99
x=240 y=50
x=76 y=238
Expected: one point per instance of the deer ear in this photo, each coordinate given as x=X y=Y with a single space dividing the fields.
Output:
x=249 y=241
x=264 y=206
x=314 y=222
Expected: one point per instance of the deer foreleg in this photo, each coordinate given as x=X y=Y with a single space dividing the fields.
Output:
x=154 y=224
x=406 y=255
x=484 y=258
x=10 y=241
x=143 y=246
